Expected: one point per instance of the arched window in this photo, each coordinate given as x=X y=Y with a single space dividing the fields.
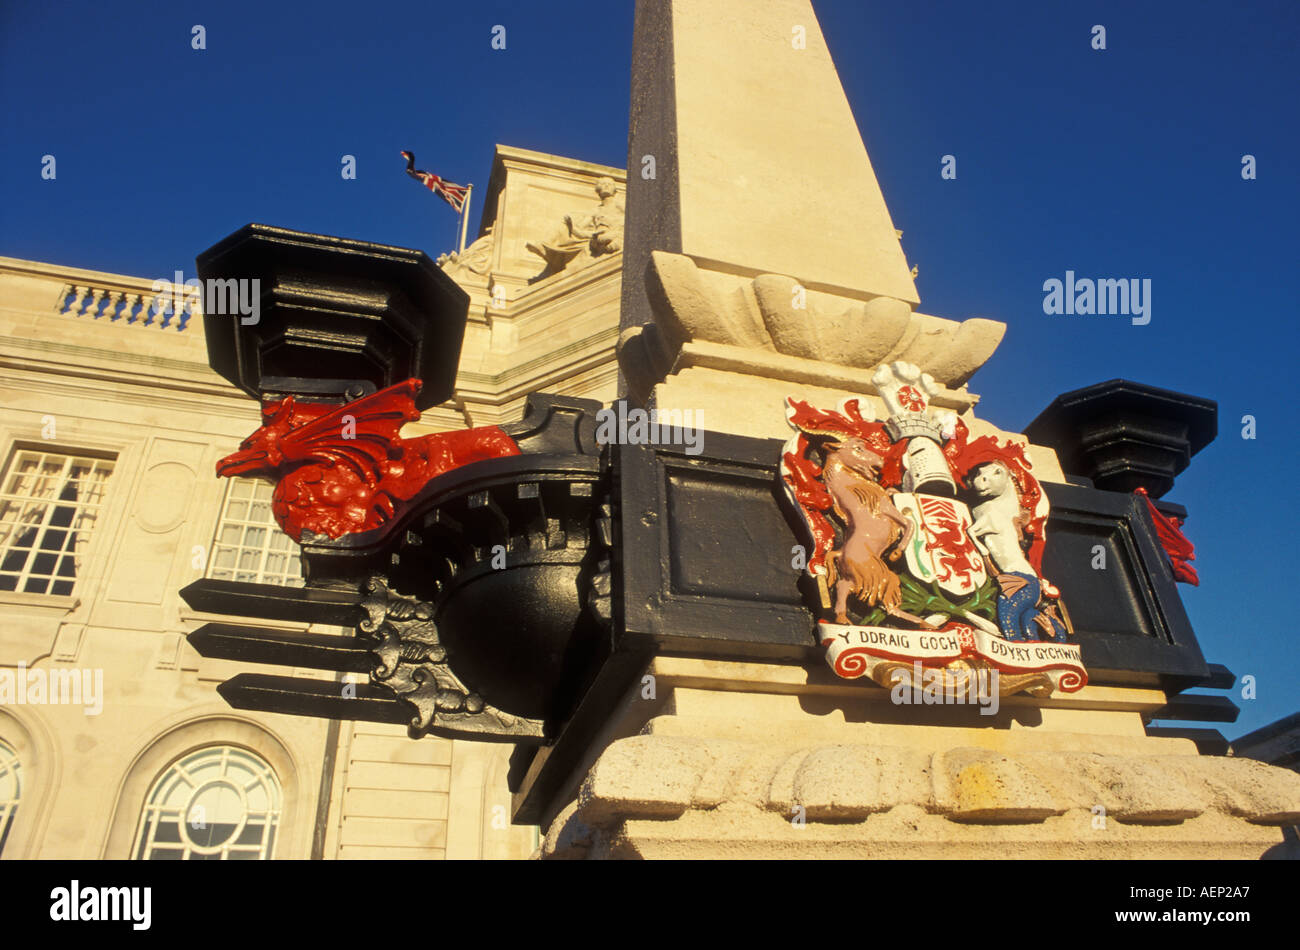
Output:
x=220 y=803
x=11 y=790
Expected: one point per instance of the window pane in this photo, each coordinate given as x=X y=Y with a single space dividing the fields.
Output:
x=49 y=505
x=248 y=545
x=218 y=803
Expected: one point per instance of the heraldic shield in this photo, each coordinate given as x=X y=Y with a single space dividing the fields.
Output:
x=942 y=551
x=926 y=548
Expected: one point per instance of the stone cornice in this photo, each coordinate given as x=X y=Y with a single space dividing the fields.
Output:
x=116 y=355
x=63 y=380
x=538 y=373
x=73 y=275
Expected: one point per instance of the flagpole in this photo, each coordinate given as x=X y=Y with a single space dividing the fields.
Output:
x=464 y=217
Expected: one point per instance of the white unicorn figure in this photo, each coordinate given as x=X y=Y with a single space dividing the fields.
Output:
x=999 y=525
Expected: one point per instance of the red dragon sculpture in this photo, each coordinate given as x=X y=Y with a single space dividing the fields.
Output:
x=341 y=469
x=1170 y=532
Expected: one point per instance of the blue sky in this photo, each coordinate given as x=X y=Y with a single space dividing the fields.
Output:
x=1117 y=163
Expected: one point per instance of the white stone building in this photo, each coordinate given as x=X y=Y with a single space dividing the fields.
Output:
x=113 y=740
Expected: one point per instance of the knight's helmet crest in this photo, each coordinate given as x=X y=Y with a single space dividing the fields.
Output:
x=906 y=392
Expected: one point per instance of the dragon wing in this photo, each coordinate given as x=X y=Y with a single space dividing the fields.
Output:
x=1177 y=547
x=1172 y=538
x=356 y=434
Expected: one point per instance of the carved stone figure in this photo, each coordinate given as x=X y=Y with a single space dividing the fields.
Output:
x=586 y=235
x=477 y=258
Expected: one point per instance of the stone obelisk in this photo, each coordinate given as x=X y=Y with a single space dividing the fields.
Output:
x=759 y=237
x=760 y=262
x=758 y=166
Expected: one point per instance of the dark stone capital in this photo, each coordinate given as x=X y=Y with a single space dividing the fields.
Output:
x=336 y=319
x=1124 y=435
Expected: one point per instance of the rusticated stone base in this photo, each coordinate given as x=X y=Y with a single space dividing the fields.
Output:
x=736 y=760
x=675 y=797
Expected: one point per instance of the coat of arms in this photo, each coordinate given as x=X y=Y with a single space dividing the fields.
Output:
x=926 y=545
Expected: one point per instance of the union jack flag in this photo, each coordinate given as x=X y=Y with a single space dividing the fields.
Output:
x=454 y=195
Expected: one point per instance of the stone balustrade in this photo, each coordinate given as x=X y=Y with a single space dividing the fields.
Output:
x=172 y=308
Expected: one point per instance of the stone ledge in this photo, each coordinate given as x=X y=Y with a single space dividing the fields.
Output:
x=798 y=369
x=908 y=833
x=677 y=782
x=816 y=679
